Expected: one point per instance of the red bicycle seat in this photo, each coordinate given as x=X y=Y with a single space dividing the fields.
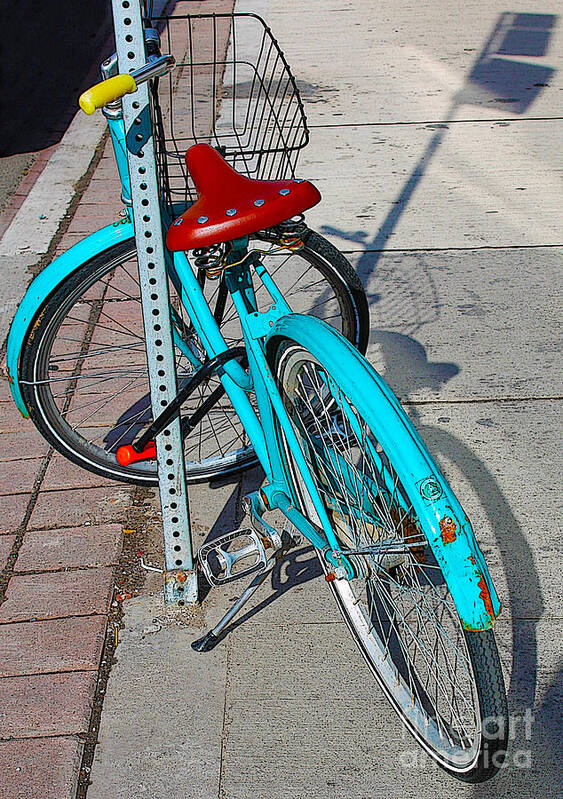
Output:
x=231 y=205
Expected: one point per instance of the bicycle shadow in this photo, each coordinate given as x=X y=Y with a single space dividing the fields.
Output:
x=410 y=370
x=406 y=367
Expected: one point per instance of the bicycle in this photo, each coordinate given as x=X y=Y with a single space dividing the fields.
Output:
x=258 y=381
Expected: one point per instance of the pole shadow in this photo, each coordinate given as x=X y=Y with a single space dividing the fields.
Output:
x=495 y=81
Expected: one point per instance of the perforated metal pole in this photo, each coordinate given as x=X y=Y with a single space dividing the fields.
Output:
x=180 y=578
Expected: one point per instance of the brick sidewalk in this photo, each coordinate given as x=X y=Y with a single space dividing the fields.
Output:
x=61 y=532
x=60 y=540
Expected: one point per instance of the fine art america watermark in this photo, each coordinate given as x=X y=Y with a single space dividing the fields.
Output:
x=519 y=727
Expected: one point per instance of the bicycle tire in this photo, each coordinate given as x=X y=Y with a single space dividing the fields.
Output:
x=97 y=312
x=401 y=600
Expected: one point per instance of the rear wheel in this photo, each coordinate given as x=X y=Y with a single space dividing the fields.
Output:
x=445 y=683
x=83 y=367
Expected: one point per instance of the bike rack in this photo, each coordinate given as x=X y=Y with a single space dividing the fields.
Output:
x=180 y=577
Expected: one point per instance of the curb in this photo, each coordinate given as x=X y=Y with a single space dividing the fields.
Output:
x=34 y=226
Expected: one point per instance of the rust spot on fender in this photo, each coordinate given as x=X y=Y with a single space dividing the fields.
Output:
x=447 y=529
x=472 y=559
x=411 y=534
x=486 y=597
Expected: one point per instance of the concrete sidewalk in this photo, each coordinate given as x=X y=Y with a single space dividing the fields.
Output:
x=433 y=145
x=434 y=138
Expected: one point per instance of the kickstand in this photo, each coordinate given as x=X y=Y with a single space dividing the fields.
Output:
x=210 y=640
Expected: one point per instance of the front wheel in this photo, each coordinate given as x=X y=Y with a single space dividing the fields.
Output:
x=445 y=683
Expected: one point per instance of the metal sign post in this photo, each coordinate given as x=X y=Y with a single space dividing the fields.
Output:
x=180 y=577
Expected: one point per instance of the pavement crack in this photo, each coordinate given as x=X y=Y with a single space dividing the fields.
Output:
x=227 y=721
x=129 y=578
x=389 y=250
x=396 y=123
x=111 y=643
x=482 y=400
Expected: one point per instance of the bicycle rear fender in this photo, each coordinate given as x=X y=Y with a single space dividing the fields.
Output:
x=448 y=529
x=48 y=281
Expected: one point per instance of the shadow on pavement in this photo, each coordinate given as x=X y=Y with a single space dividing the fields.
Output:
x=495 y=81
x=499 y=82
x=50 y=55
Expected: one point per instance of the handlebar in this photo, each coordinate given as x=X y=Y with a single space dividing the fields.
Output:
x=107 y=91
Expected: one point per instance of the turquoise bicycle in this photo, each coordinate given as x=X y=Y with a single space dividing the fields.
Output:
x=268 y=324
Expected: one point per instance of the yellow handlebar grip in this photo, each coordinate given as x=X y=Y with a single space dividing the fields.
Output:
x=105 y=92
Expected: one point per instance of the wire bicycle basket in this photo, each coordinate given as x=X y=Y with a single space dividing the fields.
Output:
x=232 y=88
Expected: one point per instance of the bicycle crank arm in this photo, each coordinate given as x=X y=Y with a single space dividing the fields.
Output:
x=210 y=640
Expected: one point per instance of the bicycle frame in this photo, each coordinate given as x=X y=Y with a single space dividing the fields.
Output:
x=269 y=403
x=461 y=560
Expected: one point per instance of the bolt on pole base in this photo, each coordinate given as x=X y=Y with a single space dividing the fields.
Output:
x=181 y=588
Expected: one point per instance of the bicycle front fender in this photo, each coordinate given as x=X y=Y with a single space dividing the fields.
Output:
x=48 y=281
x=447 y=527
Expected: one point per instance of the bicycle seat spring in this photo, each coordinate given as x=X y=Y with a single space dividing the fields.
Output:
x=291 y=231
x=211 y=259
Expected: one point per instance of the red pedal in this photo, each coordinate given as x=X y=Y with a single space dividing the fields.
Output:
x=128 y=454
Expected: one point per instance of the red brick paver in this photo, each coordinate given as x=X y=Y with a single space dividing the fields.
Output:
x=46 y=550
x=52 y=624
x=12 y=510
x=46 y=704
x=77 y=506
x=19 y=476
x=63 y=474
x=6 y=544
x=11 y=420
x=57 y=594
x=73 y=644
x=40 y=768
x=22 y=444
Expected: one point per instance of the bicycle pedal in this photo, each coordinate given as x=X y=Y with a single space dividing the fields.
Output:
x=234 y=556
